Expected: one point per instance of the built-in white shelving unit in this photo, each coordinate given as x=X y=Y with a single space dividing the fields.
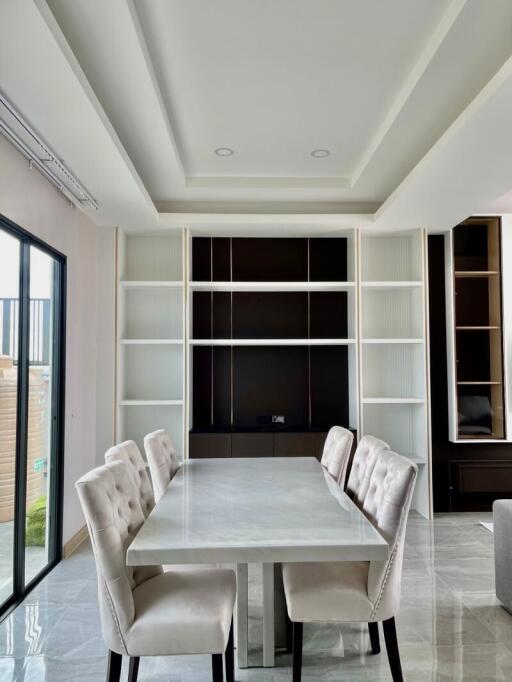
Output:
x=393 y=348
x=386 y=338
x=150 y=336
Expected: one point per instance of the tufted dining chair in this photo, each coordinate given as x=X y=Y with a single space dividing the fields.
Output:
x=129 y=453
x=362 y=591
x=145 y=611
x=162 y=460
x=363 y=463
x=336 y=453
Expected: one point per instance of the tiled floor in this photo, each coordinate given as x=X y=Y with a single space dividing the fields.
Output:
x=450 y=625
x=35 y=559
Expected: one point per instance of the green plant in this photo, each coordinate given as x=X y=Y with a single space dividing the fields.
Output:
x=36 y=523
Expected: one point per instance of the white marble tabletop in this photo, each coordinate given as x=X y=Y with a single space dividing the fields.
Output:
x=265 y=509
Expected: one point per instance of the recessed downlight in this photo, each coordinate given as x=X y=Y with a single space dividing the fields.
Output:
x=224 y=151
x=320 y=153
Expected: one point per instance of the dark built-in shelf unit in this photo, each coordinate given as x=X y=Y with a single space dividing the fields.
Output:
x=478 y=329
x=272 y=327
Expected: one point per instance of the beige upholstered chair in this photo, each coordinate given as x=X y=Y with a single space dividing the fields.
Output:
x=336 y=452
x=364 y=592
x=162 y=460
x=144 y=611
x=129 y=453
x=364 y=460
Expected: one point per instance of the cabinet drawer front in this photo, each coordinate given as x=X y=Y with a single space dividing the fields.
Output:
x=204 y=445
x=483 y=477
x=252 y=445
x=294 y=445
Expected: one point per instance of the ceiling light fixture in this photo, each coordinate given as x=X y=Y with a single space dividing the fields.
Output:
x=224 y=151
x=320 y=153
x=16 y=129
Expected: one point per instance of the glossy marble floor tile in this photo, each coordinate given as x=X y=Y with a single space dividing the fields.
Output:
x=450 y=624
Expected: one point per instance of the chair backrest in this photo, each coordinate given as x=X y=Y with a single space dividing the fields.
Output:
x=162 y=460
x=386 y=505
x=364 y=460
x=110 y=502
x=336 y=452
x=129 y=453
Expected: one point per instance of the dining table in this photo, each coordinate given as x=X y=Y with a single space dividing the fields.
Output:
x=262 y=510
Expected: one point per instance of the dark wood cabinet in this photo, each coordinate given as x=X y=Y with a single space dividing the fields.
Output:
x=294 y=444
x=475 y=476
x=258 y=444
x=252 y=445
x=202 y=445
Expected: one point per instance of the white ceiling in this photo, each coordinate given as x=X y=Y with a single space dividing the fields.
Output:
x=135 y=96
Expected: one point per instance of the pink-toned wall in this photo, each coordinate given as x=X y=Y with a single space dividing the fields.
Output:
x=29 y=200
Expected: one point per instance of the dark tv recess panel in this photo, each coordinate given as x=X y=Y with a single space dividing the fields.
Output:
x=276 y=376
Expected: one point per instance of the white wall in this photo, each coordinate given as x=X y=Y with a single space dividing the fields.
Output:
x=29 y=200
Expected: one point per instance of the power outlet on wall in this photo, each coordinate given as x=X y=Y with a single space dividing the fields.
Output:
x=278 y=419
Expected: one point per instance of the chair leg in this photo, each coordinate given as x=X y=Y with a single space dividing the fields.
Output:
x=289 y=634
x=297 y=652
x=217 y=671
x=114 y=667
x=133 y=670
x=392 y=649
x=229 y=657
x=373 y=629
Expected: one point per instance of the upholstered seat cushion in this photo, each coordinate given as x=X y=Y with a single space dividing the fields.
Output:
x=182 y=612
x=327 y=591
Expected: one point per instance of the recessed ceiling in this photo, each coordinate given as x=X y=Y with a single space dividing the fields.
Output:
x=236 y=105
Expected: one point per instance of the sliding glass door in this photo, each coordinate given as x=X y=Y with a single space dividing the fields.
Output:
x=32 y=287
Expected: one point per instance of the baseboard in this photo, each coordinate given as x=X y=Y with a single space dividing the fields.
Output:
x=74 y=542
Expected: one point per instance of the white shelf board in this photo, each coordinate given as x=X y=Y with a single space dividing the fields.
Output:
x=126 y=403
x=392 y=340
x=481 y=440
x=151 y=342
x=476 y=328
x=393 y=401
x=271 y=286
x=417 y=460
x=408 y=284
x=478 y=383
x=476 y=273
x=271 y=342
x=150 y=284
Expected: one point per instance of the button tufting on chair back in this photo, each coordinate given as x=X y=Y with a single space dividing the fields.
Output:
x=386 y=505
x=162 y=460
x=336 y=452
x=129 y=454
x=363 y=463
x=110 y=502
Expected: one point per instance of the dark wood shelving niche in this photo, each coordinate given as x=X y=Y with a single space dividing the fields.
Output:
x=478 y=330
x=272 y=331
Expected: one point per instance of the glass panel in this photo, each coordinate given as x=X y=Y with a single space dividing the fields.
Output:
x=9 y=307
x=39 y=445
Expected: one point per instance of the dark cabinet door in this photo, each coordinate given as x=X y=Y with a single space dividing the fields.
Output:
x=204 y=445
x=319 y=444
x=252 y=445
x=294 y=444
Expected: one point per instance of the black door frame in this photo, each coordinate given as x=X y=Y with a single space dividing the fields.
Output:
x=58 y=367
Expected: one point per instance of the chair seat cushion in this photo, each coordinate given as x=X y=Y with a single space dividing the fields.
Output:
x=182 y=612
x=327 y=591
